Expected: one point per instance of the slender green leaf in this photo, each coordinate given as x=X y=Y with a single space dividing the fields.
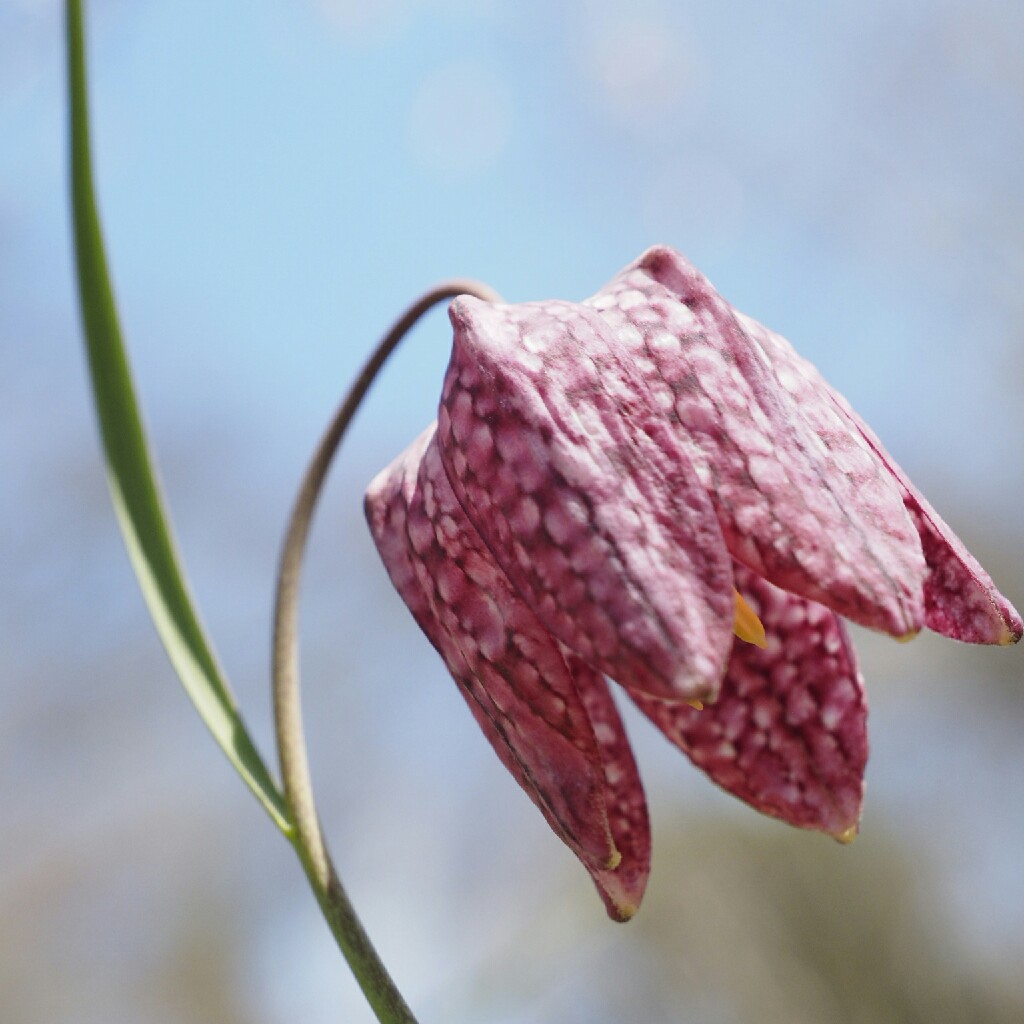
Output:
x=133 y=482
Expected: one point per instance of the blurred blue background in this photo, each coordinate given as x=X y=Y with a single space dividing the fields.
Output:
x=277 y=180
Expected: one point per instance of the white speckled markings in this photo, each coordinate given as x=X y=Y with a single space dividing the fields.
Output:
x=788 y=733
x=803 y=506
x=961 y=601
x=549 y=717
x=588 y=502
x=601 y=477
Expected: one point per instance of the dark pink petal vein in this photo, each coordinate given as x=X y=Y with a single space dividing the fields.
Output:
x=788 y=733
x=575 y=482
x=513 y=675
x=808 y=510
x=961 y=601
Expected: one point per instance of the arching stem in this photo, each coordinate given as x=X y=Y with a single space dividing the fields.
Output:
x=366 y=965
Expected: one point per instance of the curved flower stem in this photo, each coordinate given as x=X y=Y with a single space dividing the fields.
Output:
x=366 y=965
x=147 y=531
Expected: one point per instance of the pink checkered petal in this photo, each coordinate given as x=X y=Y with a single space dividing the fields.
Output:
x=798 y=498
x=512 y=674
x=788 y=733
x=961 y=601
x=623 y=888
x=570 y=472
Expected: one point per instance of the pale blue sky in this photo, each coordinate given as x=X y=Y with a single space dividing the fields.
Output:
x=277 y=180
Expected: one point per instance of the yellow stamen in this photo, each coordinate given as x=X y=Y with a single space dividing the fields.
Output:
x=746 y=625
x=907 y=637
x=697 y=705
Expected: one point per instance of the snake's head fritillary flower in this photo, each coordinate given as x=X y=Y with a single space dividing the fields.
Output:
x=651 y=487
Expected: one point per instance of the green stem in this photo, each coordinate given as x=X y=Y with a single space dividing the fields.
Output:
x=146 y=528
x=366 y=965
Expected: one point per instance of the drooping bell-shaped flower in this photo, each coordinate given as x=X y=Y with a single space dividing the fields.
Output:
x=651 y=487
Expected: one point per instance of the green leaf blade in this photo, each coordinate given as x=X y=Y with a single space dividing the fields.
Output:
x=131 y=475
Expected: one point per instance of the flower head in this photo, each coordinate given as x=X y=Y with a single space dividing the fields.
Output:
x=651 y=487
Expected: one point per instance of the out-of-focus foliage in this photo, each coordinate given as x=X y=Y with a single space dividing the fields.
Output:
x=787 y=931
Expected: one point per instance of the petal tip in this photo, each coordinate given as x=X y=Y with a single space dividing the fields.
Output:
x=618 y=908
x=1011 y=632
x=847 y=835
x=655 y=254
x=621 y=896
x=463 y=310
